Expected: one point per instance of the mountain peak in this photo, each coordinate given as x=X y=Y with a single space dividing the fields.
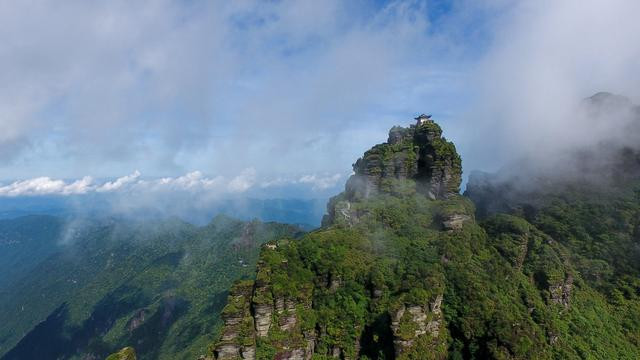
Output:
x=417 y=154
x=415 y=159
x=608 y=100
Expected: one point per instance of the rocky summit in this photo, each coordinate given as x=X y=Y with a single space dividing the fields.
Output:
x=418 y=153
x=414 y=159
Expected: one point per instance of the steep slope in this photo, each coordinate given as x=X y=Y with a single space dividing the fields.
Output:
x=401 y=269
x=121 y=283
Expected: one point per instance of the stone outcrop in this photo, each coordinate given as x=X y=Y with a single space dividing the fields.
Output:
x=419 y=153
x=455 y=221
x=237 y=340
x=254 y=311
x=414 y=159
x=288 y=316
x=137 y=319
x=409 y=322
x=127 y=353
x=561 y=292
x=262 y=314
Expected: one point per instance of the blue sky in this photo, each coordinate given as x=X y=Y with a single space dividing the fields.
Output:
x=252 y=95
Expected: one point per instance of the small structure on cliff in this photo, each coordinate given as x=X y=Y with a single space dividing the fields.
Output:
x=423 y=119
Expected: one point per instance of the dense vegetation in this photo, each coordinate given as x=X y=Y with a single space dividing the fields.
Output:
x=24 y=242
x=156 y=286
x=499 y=280
x=398 y=274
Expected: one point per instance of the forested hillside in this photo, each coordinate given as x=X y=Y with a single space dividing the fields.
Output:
x=103 y=285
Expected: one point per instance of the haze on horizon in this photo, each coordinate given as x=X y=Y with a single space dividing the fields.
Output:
x=234 y=97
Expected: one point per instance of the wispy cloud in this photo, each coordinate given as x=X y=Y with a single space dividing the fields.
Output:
x=119 y=182
x=242 y=182
x=315 y=181
x=47 y=186
x=545 y=57
x=194 y=182
x=167 y=86
x=320 y=182
x=294 y=86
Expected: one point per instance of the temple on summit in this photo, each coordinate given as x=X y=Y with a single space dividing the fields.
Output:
x=423 y=119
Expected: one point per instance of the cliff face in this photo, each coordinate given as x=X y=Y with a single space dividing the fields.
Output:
x=414 y=159
x=417 y=153
x=237 y=340
x=259 y=311
x=274 y=317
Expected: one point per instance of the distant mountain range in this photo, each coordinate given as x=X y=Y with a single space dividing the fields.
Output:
x=306 y=212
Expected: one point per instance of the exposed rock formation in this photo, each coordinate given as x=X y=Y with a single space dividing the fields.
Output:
x=561 y=292
x=254 y=311
x=419 y=153
x=137 y=320
x=371 y=283
x=455 y=221
x=237 y=340
x=127 y=353
x=413 y=159
x=410 y=322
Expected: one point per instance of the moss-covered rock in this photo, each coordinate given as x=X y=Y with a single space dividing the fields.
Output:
x=416 y=159
x=127 y=353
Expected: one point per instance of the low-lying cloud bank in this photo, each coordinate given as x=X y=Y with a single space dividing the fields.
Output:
x=193 y=197
x=194 y=182
x=528 y=89
x=166 y=86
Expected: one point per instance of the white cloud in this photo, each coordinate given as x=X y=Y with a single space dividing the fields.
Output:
x=315 y=181
x=320 y=182
x=167 y=86
x=192 y=180
x=545 y=57
x=81 y=186
x=119 y=182
x=46 y=186
x=243 y=182
x=292 y=86
x=133 y=184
